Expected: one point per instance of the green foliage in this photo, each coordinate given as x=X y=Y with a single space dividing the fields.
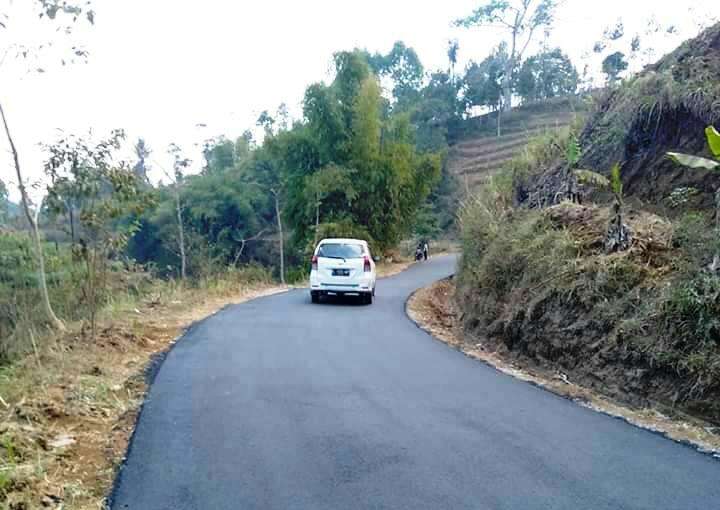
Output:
x=481 y=216
x=102 y=195
x=613 y=65
x=540 y=152
x=574 y=151
x=403 y=66
x=592 y=179
x=616 y=184
x=266 y=122
x=680 y=197
x=346 y=129
x=342 y=229
x=520 y=19
x=548 y=74
x=713 y=139
x=693 y=235
x=483 y=82
x=504 y=12
x=694 y=308
x=695 y=162
x=20 y=297
x=4 y=204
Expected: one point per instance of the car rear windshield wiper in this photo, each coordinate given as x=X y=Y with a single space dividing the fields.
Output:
x=331 y=257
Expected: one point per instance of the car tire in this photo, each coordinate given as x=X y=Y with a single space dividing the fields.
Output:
x=368 y=298
x=315 y=297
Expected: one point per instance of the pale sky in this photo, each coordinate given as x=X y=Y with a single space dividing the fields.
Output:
x=157 y=68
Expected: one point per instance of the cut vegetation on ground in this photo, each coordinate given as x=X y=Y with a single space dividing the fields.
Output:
x=68 y=412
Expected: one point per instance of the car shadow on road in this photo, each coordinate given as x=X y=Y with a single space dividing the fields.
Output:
x=350 y=301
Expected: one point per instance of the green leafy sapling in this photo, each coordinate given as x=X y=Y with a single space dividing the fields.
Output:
x=619 y=235
x=573 y=154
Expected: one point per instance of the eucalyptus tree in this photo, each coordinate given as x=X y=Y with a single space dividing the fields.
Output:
x=65 y=14
x=520 y=20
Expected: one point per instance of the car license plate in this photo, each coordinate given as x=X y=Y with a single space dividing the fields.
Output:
x=341 y=272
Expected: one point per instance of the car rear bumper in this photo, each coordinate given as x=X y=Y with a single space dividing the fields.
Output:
x=358 y=286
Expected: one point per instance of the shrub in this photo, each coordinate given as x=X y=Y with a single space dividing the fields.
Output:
x=693 y=311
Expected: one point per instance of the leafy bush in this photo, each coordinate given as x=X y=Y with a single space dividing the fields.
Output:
x=693 y=311
x=341 y=229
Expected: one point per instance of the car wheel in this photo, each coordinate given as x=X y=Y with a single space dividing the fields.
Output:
x=368 y=298
x=315 y=297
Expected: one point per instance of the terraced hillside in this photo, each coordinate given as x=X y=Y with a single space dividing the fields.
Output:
x=478 y=152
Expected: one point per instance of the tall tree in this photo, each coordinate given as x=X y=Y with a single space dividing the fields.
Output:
x=521 y=19
x=613 y=65
x=452 y=53
x=484 y=82
x=324 y=183
x=283 y=117
x=266 y=122
x=48 y=9
x=142 y=153
x=403 y=66
x=548 y=74
x=107 y=192
x=180 y=166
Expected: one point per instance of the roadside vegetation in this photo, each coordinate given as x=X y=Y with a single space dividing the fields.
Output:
x=594 y=254
x=102 y=264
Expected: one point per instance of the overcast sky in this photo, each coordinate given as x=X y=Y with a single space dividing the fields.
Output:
x=157 y=68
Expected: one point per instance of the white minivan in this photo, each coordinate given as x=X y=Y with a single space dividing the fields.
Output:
x=342 y=267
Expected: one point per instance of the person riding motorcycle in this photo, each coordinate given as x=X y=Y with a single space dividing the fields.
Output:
x=422 y=252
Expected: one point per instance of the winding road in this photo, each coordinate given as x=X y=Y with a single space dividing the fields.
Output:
x=281 y=404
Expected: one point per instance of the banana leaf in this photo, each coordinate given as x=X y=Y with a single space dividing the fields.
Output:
x=591 y=178
x=713 y=138
x=694 y=161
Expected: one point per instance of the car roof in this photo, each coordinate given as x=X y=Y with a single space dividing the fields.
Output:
x=342 y=241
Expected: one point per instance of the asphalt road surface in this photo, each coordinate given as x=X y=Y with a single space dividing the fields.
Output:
x=282 y=404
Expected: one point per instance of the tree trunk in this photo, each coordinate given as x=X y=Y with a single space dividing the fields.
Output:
x=181 y=232
x=72 y=225
x=499 y=119
x=317 y=218
x=281 y=237
x=507 y=78
x=54 y=321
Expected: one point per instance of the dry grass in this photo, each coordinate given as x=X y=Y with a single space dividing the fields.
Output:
x=433 y=309
x=386 y=269
x=67 y=414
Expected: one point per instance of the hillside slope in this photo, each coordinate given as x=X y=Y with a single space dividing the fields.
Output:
x=538 y=283
x=665 y=108
x=477 y=152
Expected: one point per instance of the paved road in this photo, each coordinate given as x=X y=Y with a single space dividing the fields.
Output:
x=281 y=404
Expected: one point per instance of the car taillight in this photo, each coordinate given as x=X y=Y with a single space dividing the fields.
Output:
x=367 y=264
x=314 y=261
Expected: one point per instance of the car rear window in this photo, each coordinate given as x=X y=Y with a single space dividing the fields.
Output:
x=341 y=251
